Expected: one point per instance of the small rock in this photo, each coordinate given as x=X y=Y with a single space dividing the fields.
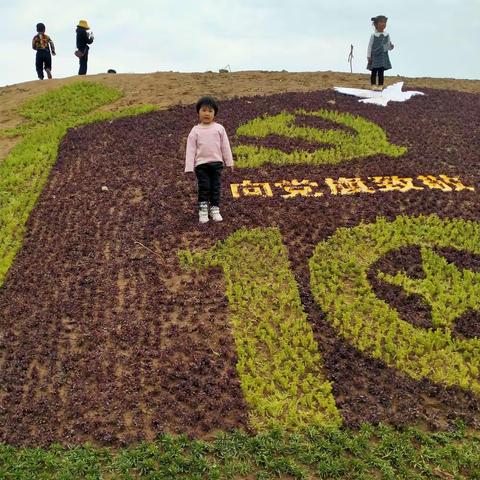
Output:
x=104 y=188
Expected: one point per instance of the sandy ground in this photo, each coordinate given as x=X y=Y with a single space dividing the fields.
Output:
x=170 y=88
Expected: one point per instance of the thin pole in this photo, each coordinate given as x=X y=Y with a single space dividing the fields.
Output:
x=350 y=58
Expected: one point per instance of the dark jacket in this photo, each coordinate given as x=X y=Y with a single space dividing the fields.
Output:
x=83 y=39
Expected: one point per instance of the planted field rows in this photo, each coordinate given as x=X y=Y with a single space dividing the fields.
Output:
x=123 y=318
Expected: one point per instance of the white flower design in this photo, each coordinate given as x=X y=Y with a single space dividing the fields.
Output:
x=392 y=93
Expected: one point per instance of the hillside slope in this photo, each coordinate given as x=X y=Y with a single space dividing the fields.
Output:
x=171 y=88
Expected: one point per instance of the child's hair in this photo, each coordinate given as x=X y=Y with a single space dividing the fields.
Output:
x=378 y=18
x=40 y=27
x=207 y=102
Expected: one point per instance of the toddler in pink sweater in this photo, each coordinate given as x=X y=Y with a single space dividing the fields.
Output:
x=208 y=150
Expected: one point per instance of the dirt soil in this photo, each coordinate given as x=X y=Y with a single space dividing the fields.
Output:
x=107 y=339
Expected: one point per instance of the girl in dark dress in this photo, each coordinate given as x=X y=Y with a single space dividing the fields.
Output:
x=377 y=55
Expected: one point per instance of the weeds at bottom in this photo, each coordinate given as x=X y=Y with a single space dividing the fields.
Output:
x=379 y=452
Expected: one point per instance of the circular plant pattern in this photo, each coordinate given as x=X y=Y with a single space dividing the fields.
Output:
x=340 y=285
x=108 y=338
x=369 y=139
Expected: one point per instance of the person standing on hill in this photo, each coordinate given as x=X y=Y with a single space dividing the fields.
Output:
x=45 y=48
x=377 y=54
x=84 y=39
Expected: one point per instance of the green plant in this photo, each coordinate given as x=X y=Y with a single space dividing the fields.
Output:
x=369 y=140
x=339 y=282
x=279 y=365
x=371 y=452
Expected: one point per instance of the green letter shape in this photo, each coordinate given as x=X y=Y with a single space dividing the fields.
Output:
x=339 y=268
x=369 y=140
x=279 y=365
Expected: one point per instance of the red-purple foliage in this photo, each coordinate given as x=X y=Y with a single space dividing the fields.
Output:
x=105 y=341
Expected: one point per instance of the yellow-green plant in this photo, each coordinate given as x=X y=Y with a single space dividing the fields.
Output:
x=339 y=268
x=279 y=365
x=24 y=171
x=369 y=140
x=448 y=290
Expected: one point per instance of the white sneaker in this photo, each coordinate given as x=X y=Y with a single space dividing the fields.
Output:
x=203 y=212
x=215 y=214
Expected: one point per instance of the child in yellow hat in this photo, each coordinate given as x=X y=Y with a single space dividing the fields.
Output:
x=84 y=39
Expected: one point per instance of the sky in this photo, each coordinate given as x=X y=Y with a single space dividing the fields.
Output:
x=432 y=38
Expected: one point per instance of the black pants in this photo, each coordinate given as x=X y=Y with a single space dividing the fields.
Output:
x=83 y=64
x=209 y=176
x=43 y=60
x=373 y=76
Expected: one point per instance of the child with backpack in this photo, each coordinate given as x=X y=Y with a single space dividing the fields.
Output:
x=45 y=48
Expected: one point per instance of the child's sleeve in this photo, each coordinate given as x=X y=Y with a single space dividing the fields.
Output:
x=191 y=152
x=226 y=150
x=390 y=43
x=370 y=45
x=34 y=46
x=52 y=46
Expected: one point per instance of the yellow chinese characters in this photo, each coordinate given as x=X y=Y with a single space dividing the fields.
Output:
x=296 y=188
x=249 y=189
x=395 y=183
x=347 y=186
x=444 y=183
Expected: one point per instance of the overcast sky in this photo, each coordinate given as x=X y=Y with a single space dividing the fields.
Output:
x=437 y=38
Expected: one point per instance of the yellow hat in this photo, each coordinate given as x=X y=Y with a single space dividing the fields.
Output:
x=83 y=24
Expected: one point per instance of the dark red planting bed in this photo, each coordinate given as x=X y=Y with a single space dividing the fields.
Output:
x=106 y=339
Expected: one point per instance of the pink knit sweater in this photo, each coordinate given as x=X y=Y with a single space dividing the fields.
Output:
x=206 y=144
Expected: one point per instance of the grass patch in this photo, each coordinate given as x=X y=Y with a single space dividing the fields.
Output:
x=379 y=452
